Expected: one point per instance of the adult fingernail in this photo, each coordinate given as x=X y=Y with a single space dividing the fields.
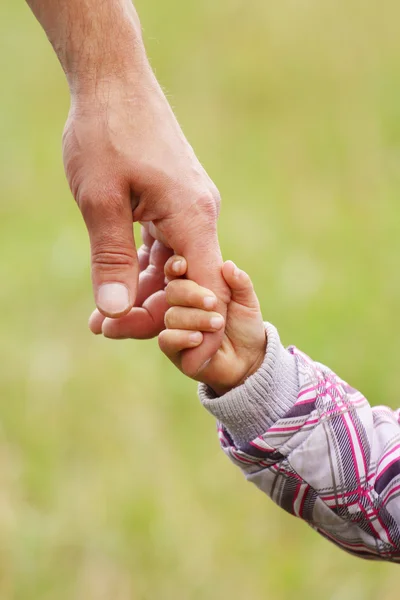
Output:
x=113 y=298
x=209 y=301
x=177 y=266
x=195 y=338
x=217 y=322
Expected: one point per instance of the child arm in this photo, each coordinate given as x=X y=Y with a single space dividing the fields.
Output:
x=314 y=445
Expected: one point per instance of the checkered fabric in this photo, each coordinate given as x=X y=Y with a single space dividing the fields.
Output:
x=331 y=460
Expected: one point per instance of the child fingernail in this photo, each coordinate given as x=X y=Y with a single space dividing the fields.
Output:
x=209 y=301
x=216 y=322
x=177 y=266
x=195 y=338
x=236 y=272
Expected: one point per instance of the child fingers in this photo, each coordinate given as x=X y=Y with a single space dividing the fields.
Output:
x=183 y=292
x=193 y=319
x=176 y=266
x=96 y=321
x=173 y=341
x=241 y=285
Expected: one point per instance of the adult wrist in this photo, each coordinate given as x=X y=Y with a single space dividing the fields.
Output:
x=125 y=65
x=105 y=45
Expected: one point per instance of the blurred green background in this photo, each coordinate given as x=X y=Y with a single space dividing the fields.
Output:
x=112 y=484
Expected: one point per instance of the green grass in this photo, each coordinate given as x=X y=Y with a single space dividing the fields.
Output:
x=112 y=485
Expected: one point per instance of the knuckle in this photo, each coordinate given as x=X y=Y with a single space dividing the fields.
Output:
x=209 y=205
x=168 y=318
x=168 y=263
x=217 y=199
x=163 y=341
x=204 y=320
x=100 y=202
x=192 y=298
x=113 y=259
x=170 y=293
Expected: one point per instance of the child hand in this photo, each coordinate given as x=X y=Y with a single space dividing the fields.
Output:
x=191 y=314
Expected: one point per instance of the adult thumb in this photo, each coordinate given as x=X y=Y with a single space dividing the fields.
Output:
x=114 y=260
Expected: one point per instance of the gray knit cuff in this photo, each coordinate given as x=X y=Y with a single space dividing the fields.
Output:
x=265 y=397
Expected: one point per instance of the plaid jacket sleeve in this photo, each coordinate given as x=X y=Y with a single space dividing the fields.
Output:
x=315 y=446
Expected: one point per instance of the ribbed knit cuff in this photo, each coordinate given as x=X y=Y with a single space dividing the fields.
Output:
x=265 y=397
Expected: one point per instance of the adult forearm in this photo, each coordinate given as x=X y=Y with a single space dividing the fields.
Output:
x=95 y=40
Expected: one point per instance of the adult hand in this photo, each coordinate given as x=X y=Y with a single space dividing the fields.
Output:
x=126 y=159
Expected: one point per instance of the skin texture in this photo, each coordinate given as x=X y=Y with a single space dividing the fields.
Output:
x=126 y=159
x=192 y=313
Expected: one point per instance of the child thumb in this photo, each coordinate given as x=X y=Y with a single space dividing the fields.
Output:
x=240 y=285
